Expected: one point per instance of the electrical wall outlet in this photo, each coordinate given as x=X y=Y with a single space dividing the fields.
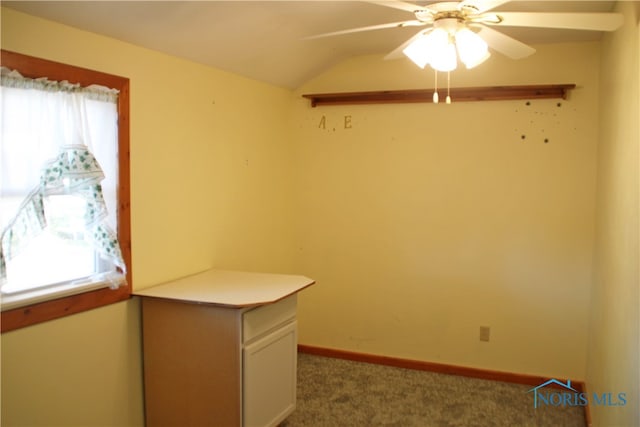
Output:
x=485 y=331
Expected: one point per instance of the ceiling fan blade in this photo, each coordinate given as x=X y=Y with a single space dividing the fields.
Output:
x=572 y=21
x=401 y=24
x=397 y=52
x=504 y=44
x=481 y=5
x=407 y=7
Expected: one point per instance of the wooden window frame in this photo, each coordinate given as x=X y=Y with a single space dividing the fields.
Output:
x=33 y=67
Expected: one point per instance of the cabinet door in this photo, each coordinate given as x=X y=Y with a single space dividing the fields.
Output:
x=269 y=383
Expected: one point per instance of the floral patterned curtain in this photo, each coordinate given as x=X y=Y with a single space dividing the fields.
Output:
x=74 y=170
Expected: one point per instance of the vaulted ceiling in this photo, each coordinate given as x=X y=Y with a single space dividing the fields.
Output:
x=264 y=40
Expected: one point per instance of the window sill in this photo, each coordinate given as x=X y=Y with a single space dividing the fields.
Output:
x=10 y=301
x=62 y=305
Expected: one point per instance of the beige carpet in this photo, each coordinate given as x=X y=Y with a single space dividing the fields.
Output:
x=335 y=392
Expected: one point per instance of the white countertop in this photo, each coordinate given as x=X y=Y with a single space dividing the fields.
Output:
x=229 y=288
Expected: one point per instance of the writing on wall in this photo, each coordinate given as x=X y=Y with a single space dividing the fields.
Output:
x=333 y=124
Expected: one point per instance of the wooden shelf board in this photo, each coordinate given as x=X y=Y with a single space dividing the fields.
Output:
x=463 y=94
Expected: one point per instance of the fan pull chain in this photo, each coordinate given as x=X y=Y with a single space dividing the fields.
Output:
x=448 y=87
x=435 y=88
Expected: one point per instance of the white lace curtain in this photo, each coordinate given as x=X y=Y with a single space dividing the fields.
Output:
x=57 y=138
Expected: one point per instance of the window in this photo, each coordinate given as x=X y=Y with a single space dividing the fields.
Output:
x=70 y=264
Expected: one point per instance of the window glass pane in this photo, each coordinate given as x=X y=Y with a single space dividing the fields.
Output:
x=62 y=252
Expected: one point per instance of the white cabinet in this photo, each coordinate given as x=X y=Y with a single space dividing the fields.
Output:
x=222 y=365
x=269 y=363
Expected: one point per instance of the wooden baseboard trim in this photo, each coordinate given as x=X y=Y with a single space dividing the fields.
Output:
x=441 y=368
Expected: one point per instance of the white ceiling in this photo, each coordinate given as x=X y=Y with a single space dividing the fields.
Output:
x=263 y=40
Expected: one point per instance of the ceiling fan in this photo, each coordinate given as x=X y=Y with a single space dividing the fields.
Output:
x=452 y=25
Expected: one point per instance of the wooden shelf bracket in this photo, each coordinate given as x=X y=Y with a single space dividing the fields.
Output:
x=463 y=94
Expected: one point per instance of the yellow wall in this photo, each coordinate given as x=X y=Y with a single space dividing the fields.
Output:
x=423 y=222
x=210 y=187
x=614 y=333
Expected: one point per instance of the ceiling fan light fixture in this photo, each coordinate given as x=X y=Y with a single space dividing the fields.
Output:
x=476 y=61
x=435 y=48
x=442 y=46
x=472 y=49
x=444 y=57
x=420 y=50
